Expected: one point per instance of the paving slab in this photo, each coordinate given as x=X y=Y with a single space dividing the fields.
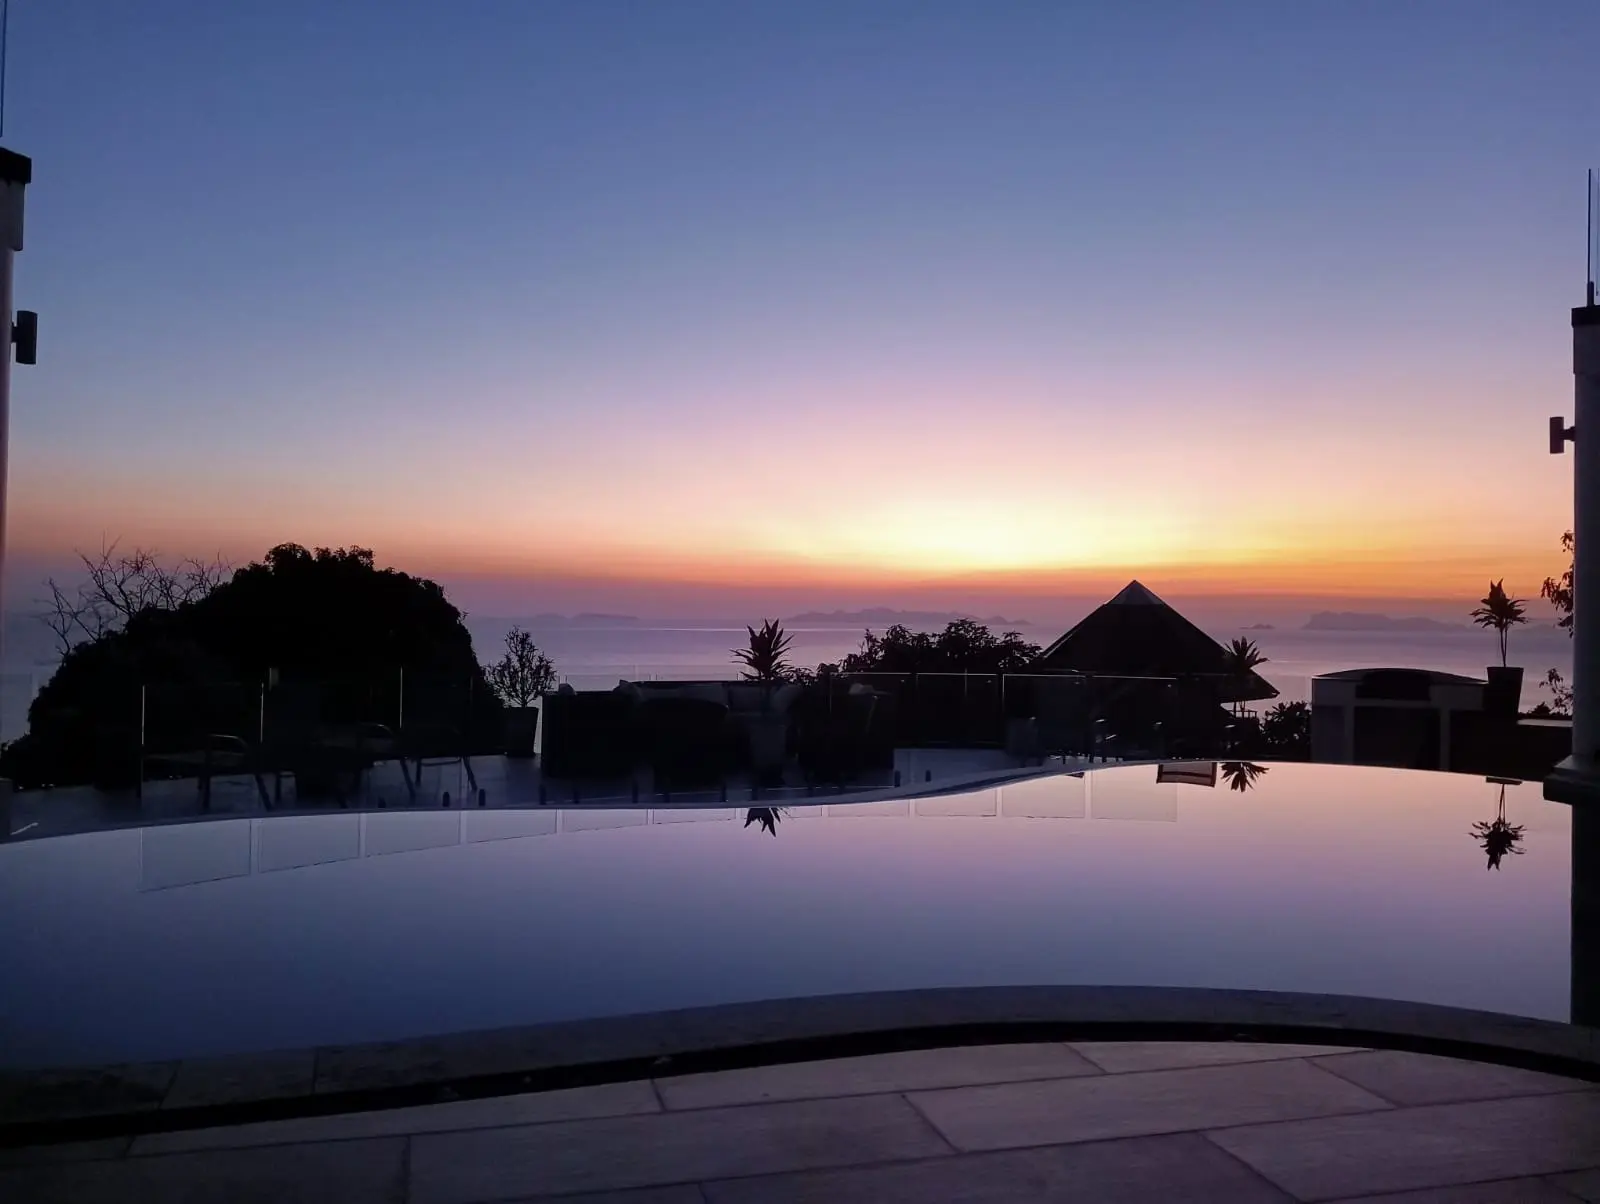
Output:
x=1584 y=1184
x=1131 y=1105
x=1410 y=1148
x=1412 y=1078
x=1500 y=1191
x=578 y=1103
x=351 y=1172
x=908 y=1070
x=1158 y=1170
x=669 y=1148
x=1119 y=1057
x=683 y=1193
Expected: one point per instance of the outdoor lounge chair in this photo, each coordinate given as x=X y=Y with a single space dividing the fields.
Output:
x=424 y=745
x=218 y=755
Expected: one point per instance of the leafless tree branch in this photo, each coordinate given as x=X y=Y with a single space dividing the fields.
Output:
x=117 y=586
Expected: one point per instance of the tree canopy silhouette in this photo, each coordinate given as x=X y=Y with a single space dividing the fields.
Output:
x=1558 y=590
x=964 y=646
x=310 y=616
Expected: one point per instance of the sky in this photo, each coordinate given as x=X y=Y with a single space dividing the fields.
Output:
x=654 y=306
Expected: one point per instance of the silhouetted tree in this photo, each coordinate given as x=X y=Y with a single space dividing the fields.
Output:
x=327 y=615
x=119 y=585
x=524 y=673
x=964 y=646
x=1559 y=589
x=1242 y=658
x=763 y=658
x=1286 y=731
x=1560 y=704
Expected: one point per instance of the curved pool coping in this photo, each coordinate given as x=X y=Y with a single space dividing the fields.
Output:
x=78 y=1103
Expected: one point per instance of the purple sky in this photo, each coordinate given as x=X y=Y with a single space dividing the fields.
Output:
x=588 y=304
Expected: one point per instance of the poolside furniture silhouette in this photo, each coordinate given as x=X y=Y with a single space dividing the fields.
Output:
x=589 y=733
x=1062 y=709
x=196 y=728
x=424 y=744
x=846 y=728
x=218 y=755
x=324 y=758
x=687 y=741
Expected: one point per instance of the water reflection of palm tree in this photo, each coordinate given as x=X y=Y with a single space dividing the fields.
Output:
x=767 y=817
x=1497 y=837
x=1242 y=775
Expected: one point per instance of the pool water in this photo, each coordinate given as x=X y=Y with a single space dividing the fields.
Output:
x=289 y=931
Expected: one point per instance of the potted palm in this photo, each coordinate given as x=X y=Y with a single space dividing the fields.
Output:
x=764 y=661
x=521 y=677
x=1500 y=612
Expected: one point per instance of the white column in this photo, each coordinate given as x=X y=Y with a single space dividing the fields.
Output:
x=1586 y=534
x=1578 y=778
x=15 y=173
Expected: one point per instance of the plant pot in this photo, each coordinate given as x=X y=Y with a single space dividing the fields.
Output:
x=1502 y=696
x=522 y=729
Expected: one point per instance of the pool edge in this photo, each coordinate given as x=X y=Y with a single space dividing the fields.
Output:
x=80 y=1103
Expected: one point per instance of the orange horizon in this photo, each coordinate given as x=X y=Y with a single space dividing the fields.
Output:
x=1435 y=579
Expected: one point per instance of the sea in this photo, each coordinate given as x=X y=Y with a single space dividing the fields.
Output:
x=597 y=656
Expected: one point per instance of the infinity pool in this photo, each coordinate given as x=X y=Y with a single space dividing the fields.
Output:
x=252 y=934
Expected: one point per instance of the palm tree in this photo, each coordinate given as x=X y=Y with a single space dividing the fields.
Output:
x=763 y=658
x=1241 y=775
x=1499 y=611
x=1241 y=658
x=1498 y=837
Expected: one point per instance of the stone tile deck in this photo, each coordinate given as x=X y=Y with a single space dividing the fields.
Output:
x=1087 y=1121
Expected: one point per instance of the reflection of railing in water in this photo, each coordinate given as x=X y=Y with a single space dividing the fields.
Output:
x=187 y=854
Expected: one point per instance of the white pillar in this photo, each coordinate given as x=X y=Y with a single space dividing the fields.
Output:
x=15 y=173
x=1578 y=777
x=1586 y=534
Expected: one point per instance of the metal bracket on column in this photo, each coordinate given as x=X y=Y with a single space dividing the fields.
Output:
x=1560 y=435
x=25 y=334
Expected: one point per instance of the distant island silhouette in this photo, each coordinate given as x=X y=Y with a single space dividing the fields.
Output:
x=1260 y=627
x=887 y=617
x=585 y=619
x=1354 y=620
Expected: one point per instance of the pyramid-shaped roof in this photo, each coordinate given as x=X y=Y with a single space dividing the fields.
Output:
x=1136 y=634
